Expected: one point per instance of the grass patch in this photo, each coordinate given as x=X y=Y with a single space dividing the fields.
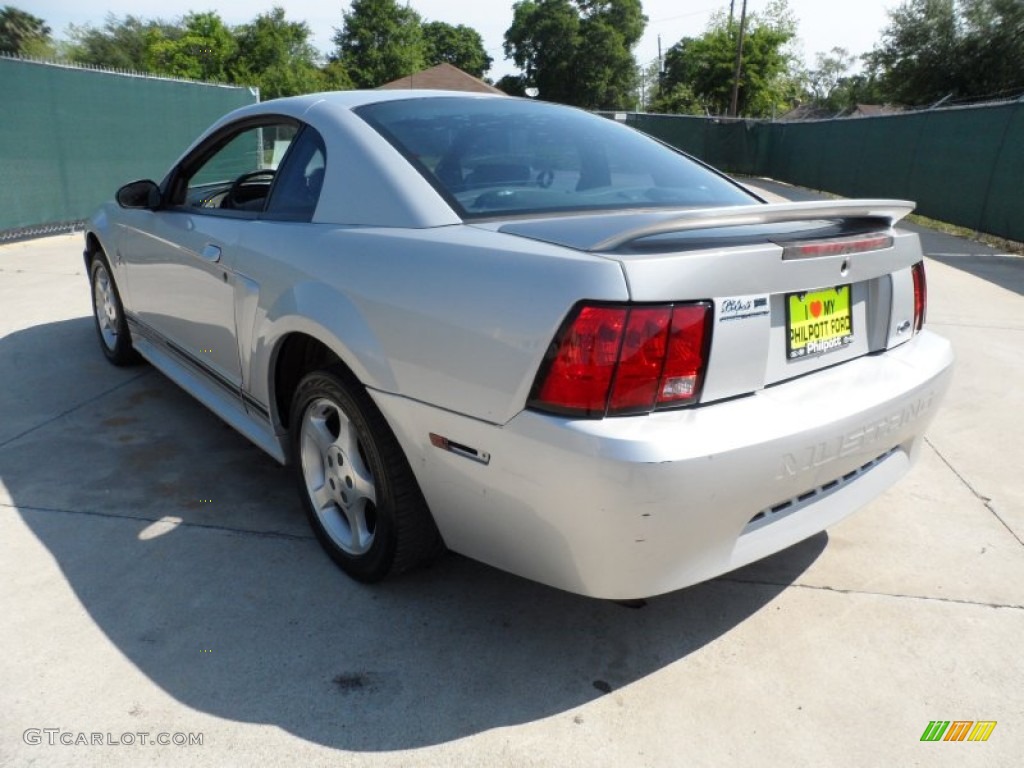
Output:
x=999 y=243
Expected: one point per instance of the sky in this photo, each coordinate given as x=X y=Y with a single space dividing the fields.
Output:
x=823 y=24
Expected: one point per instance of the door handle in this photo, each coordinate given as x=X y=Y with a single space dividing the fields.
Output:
x=211 y=253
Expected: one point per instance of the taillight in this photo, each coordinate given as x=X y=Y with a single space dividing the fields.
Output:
x=920 y=295
x=622 y=359
x=641 y=360
x=684 y=368
x=580 y=372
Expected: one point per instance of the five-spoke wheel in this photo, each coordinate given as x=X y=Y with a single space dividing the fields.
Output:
x=338 y=481
x=359 y=492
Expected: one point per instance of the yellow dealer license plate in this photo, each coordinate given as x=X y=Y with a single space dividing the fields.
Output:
x=818 y=322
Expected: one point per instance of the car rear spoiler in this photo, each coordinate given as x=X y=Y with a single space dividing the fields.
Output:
x=889 y=211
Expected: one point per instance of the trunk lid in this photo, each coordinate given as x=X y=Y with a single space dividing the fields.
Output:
x=796 y=287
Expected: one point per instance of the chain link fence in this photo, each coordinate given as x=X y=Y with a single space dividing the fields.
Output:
x=70 y=136
x=962 y=165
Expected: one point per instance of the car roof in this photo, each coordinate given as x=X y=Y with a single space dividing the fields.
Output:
x=399 y=196
x=296 y=106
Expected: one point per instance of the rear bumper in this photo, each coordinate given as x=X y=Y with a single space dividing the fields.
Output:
x=633 y=507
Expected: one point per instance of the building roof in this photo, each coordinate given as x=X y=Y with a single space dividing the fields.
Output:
x=813 y=112
x=875 y=110
x=806 y=112
x=443 y=77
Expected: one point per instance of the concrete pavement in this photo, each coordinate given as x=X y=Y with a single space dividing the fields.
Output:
x=157 y=577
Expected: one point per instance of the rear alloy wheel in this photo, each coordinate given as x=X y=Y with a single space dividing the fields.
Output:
x=360 y=495
x=108 y=312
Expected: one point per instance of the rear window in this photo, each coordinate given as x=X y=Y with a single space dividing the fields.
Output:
x=490 y=157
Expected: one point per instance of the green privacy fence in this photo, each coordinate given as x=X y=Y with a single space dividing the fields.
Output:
x=70 y=136
x=964 y=165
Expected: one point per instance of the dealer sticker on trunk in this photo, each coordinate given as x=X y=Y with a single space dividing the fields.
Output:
x=818 y=321
x=742 y=307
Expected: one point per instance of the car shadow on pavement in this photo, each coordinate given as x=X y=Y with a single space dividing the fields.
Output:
x=1003 y=270
x=188 y=549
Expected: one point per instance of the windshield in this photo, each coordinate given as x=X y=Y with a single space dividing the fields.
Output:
x=498 y=156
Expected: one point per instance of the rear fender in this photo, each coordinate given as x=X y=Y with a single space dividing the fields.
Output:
x=316 y=310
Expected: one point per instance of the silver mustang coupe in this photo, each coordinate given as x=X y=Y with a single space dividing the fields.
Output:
x=525 y=333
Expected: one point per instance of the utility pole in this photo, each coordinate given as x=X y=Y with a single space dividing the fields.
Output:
x=734 y=108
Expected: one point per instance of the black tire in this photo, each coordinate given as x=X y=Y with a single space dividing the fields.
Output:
x=108 y=314
x=360 y=495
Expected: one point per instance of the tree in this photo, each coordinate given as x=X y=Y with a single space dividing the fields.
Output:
x=513 y=85
x=270 y=52
x=993 y=46
x=578 y=51
x=22 y=34
x=916 y=61
x=275 y=54
x=459 y=46
x=542 y=42
x=829 y=80
x=830 y=69
x=201 y=52
x=380 y=41
x=676 y=98
x=334 y=77
x=965 y=49
x=120 y=43
x=705 y=66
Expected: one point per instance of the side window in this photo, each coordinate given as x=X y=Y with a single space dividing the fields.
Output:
x=297 y=187
x=239 y=175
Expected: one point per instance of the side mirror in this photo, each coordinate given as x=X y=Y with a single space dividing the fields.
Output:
x=139 y=194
